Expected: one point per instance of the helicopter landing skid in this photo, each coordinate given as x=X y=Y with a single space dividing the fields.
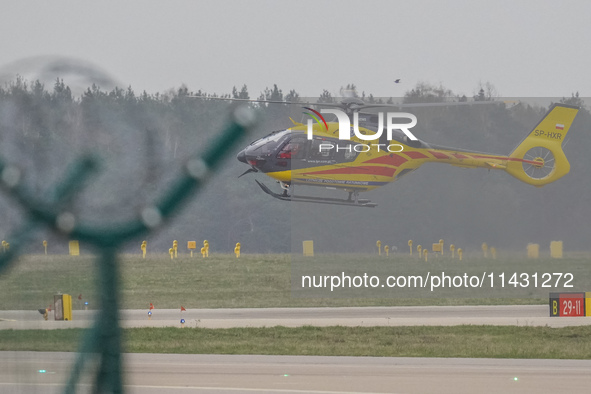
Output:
x=318 y=200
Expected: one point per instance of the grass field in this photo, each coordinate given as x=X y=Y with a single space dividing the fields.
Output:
x=222 y=281
x=265 y=281
x=459 y=341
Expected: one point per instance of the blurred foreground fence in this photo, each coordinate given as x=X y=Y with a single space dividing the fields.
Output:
x=103 y=340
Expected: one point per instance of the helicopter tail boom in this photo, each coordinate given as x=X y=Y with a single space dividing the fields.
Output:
x=539 y=158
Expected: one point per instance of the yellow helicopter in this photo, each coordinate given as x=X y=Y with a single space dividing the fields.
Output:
x=318 y=155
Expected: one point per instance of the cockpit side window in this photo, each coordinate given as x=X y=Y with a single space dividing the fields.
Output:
x=293 y=149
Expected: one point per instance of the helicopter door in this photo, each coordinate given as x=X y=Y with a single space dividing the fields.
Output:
x=346 y=151
x=321 y=151
x=384 y=141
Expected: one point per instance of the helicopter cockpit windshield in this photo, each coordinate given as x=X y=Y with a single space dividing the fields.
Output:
x=268 y=144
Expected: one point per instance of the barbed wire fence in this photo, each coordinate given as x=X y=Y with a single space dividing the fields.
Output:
x=52 y=210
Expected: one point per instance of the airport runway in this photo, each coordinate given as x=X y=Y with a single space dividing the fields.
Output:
x=184 y=374
x=517 y=315
x=241 y=374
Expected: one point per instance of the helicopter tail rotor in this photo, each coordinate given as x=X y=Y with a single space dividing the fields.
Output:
x=539 y=158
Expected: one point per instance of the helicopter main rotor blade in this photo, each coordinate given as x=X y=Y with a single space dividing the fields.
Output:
x=357 y=105
x=241 y=100
x=441 y=104
x=302 y=103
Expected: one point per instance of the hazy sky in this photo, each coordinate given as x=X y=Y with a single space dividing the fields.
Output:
x=525 y=48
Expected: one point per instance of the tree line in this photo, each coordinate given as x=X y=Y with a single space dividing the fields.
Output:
x=142 y=141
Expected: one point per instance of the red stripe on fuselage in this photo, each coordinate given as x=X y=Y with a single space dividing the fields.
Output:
x=439 y=155
x=391 y=159
x=416 y=155
x=366 y=170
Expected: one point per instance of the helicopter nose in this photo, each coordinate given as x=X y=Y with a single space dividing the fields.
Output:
x=241 y=156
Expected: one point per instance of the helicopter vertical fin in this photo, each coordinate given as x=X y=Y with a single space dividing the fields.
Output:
x=539 y=158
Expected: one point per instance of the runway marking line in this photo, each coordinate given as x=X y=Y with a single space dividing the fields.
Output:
x=257 y=390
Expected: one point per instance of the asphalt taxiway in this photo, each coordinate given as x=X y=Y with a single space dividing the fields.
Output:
x=515 y=315
x=40 y=372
